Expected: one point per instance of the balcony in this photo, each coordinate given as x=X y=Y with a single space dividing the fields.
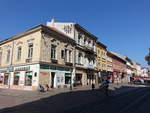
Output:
x=69 y=63
x=29 y=60
x=90 y=66
x=54 y=61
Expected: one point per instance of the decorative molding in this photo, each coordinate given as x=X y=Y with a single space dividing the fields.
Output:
x=20 y=42
x=30 y=40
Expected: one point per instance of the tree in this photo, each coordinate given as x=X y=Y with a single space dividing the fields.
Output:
x=147 y=58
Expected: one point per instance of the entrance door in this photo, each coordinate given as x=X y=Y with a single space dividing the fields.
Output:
x=52 y=79
x=6 y=77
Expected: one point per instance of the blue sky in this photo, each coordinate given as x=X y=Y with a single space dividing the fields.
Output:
x=122 y=25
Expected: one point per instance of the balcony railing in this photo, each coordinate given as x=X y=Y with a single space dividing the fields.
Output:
x=69 y=63
x=54 y=60
x=28 y=60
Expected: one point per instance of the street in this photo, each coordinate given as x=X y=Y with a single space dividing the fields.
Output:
x=123 y=99
x=134 y=102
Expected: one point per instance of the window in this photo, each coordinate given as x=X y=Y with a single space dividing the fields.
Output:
x=16 y=78
x=79 y=39
x=89 y=42
x=53 y=52
x=66 y=58
x=79 y=58
x=85 y=40
x=0 y=58
x=28 y=78
x=62 y=54
x=67 y=78
x=70 y=55
x=8 y=56
x=30 y=50
x=19 y=53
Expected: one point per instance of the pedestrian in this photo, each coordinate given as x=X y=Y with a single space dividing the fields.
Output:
x=93 y=86
x=105 y=85
x=47 y=87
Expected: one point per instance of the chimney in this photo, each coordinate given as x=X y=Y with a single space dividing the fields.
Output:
x=53 y=20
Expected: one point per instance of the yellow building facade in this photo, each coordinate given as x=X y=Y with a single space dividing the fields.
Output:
x=101 y=51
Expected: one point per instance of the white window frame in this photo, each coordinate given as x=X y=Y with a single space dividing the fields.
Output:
x=30 y=50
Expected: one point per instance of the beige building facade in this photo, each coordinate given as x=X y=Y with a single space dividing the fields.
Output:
x=40 y=55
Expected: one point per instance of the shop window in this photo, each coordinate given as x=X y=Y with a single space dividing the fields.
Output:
x=28 y=79
x=78 y=79
x=1 y=79
x=67 y=78
x=16 y=78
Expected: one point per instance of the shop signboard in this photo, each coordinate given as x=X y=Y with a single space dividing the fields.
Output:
x=22 y=68
x=6 y=69
x=61 y=68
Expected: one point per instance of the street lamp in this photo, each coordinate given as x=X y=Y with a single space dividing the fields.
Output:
x=71 y=80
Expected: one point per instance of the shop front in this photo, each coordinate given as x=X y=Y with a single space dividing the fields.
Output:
x=91 y=76
x=78 y=79
x=55 y=76
x=110 y=76
x=25 y=77
x=116 y=76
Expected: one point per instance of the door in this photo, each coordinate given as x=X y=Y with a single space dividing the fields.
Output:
x=52 y=79
x=6 y=78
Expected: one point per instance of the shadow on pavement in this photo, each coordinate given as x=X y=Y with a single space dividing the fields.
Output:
x=63 y=101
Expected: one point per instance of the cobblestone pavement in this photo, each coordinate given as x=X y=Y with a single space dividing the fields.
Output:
x=58 y=97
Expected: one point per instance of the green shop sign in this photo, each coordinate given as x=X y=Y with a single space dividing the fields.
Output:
x=55 y=68
x=67 y=74
x=16 y=73
x=28 y=73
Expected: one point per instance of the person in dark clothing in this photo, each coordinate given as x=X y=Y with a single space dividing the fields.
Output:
x=105 y=85
x=93 y=86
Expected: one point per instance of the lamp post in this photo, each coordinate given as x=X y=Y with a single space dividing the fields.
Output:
x=71 y=80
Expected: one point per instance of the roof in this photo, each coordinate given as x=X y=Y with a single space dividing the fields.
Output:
x=99 y=43
x=122 y=57
x=34 y=29
x=83 y=29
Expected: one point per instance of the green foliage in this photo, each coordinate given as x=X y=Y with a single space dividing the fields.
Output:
x=147 y=58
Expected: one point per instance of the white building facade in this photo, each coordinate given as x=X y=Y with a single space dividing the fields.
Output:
x=85 y=52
